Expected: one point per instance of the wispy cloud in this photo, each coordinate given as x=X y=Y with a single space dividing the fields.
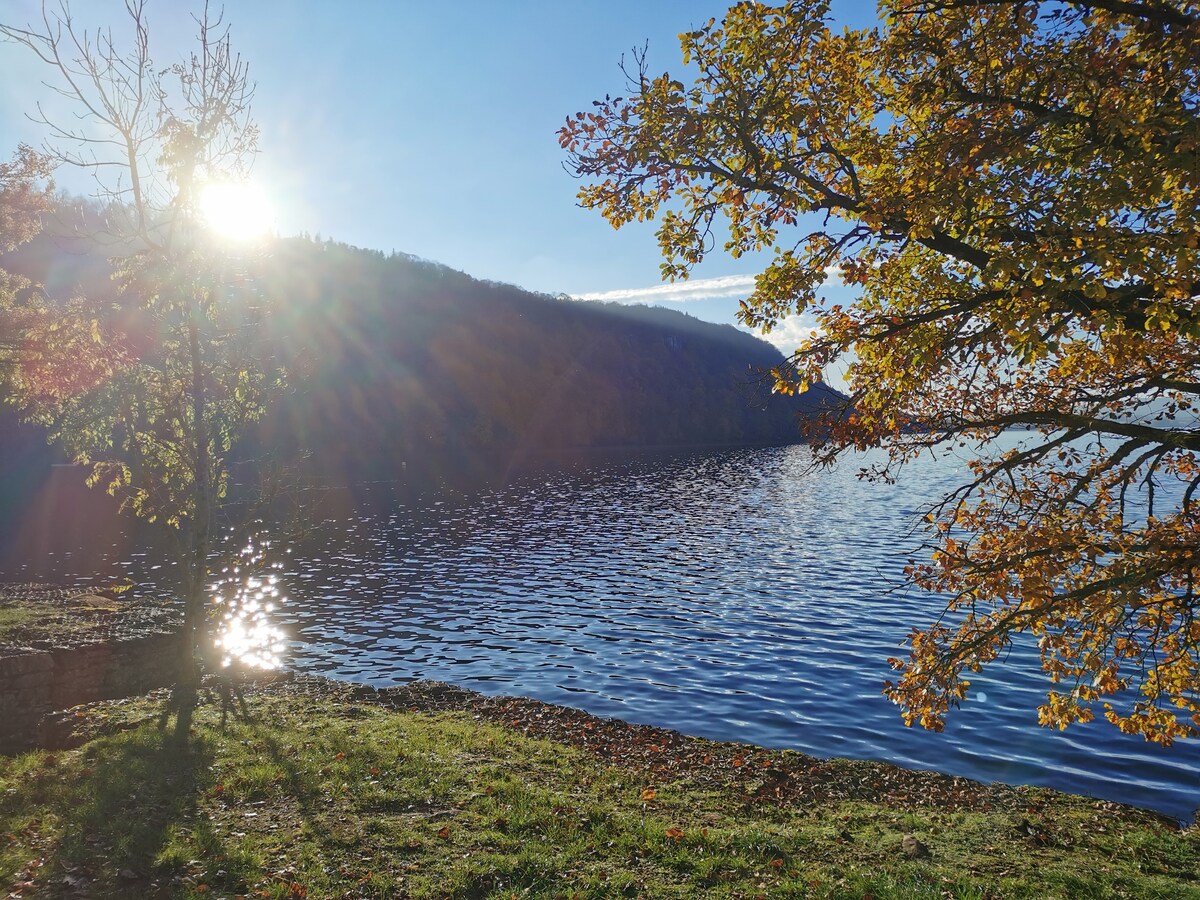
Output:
x=679 y=291
x=789 y=334
x=692 y=290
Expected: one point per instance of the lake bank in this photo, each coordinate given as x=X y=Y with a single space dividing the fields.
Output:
x=60 y=647
x=336 y=789
x=734 y=595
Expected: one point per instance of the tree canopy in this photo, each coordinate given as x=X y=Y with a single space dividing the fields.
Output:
x=1012 y=189
x=24 y=198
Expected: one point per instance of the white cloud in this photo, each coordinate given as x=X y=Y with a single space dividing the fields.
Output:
x=679 y=291
x=693 y=289
x=790 y=333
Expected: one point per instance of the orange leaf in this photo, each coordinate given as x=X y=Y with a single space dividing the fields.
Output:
x=675 y=834
x=738 y=762
x=649 y=794
x=444 y=834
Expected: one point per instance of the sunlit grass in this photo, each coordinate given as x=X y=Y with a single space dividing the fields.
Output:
x=322 y=800
x=13 y=619
x=23 y=619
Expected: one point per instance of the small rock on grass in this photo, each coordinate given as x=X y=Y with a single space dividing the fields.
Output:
x=913 y=848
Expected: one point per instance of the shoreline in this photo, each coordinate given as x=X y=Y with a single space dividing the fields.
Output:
x=778 y=776
x=789 y=775
x=138 y=630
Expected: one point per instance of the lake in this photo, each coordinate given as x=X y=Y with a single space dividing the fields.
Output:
x=735 y=595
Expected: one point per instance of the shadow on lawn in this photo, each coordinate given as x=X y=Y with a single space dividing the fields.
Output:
x=137 y=790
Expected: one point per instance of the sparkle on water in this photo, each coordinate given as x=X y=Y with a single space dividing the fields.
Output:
x=244 y=597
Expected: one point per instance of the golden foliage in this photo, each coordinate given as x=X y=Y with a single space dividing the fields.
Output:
x=24 y=196
x=1012 y=189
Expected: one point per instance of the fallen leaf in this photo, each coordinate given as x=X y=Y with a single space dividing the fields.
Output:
x=649 y=794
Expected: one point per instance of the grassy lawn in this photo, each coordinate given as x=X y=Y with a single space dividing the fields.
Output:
x=61 y=620
x=320 y=798
x=16 y=619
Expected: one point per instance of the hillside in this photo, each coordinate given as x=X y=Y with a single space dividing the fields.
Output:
x=403 y=366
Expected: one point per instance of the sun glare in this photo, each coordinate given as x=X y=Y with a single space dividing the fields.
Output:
x=239 y=211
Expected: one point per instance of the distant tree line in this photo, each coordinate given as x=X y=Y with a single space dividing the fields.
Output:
x=401 y=367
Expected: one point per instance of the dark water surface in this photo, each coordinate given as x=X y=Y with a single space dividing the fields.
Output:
x=734 y=595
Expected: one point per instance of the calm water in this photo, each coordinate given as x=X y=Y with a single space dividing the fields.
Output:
x=732 y=595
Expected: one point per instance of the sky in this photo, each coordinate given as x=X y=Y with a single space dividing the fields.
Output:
x=430 y=129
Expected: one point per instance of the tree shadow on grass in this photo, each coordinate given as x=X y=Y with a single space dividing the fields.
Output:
x=137 y=790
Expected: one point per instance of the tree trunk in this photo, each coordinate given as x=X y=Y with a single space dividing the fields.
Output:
x=188 y=681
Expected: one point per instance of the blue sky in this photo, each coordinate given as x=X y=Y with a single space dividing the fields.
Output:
x=429 y=128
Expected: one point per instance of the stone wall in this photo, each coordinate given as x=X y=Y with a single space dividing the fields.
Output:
x=34 y=682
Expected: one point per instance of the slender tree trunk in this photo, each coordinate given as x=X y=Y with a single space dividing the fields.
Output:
x=188 y=681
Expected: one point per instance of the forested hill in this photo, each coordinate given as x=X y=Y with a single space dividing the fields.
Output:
x=400 y=364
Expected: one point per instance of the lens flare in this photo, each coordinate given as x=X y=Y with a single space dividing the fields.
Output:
x=236 y=210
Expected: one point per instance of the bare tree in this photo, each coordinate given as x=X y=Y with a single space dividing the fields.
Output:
x=146 y=135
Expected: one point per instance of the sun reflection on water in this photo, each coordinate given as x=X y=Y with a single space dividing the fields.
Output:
x=244 y=597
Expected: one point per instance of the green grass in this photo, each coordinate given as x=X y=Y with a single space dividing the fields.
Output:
x=24 y=619
x=17 y=618
x=321 y=799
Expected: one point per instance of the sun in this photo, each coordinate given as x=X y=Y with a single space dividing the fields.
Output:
x=237 y=210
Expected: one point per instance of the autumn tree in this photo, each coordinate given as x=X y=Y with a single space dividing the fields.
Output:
x=24 y=196
x=1011 y=187
x=24 y=199
x=171 y=375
